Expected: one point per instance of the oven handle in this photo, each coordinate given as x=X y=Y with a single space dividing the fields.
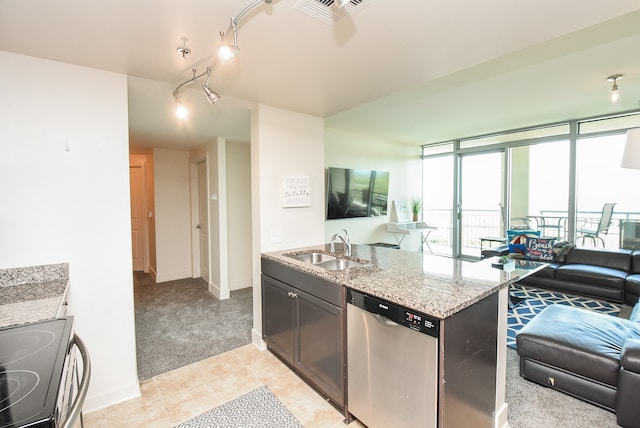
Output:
x=76 y=408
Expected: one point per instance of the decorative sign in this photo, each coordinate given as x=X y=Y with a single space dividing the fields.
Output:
x=295 y=192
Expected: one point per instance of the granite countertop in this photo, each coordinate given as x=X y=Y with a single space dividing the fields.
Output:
x=32 y=293
x=434 y=285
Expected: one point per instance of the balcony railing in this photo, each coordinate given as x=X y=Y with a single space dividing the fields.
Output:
x=478 y=224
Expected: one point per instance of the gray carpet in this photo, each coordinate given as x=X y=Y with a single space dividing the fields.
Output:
x=179 y=323
x=256 y=409
x=534 y=406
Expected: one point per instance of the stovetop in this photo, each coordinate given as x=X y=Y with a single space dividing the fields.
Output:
x=31 y=365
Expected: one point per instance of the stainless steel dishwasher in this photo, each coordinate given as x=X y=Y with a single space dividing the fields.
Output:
x=392 y=362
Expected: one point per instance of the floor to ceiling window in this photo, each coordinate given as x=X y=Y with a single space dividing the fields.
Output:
x=555 y=179
x=600 y=180
x=539 y=191
x=437 y=195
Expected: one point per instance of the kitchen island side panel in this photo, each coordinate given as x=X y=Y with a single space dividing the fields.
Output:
x=468 y=365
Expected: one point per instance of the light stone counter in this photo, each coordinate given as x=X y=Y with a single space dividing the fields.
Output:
x=434 y=285
x=32 y=293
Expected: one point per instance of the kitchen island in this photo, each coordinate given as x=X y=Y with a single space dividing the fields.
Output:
x=469 y=299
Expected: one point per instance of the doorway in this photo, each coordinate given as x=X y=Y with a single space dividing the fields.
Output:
x=139 y=222
x=203 y=220
x=480 y=196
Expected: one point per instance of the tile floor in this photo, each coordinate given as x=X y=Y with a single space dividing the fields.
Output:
x=179 y=395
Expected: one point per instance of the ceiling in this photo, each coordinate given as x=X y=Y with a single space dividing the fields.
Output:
x=411 y=71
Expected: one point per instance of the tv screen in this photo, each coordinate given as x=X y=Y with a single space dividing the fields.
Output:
x=356 y=193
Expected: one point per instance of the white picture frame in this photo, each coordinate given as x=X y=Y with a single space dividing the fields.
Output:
x=296 y=191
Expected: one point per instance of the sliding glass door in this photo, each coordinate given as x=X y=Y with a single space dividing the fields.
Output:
x=479 y=206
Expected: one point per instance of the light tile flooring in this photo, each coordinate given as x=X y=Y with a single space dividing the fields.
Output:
x=179 y=395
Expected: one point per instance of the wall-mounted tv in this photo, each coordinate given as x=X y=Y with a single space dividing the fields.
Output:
x=356 y=193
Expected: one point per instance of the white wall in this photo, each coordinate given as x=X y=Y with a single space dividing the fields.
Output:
x=283 y=143
x=64 y=187
x=348 y=150
x=239 y=214
x=172 y=214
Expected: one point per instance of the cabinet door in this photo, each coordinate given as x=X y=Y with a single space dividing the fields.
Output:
x=278 y=317
x=320 y=344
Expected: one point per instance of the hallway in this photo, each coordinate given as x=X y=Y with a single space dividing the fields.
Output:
x=179 y=323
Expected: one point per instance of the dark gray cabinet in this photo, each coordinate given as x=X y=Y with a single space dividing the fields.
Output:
x=305 y=330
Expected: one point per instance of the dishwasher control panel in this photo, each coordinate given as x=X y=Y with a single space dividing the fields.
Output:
x=396 y=313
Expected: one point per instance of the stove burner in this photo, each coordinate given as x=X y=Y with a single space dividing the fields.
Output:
x=15 y=386
x=15 y=346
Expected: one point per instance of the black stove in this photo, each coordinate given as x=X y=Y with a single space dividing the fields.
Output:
x=34 y=373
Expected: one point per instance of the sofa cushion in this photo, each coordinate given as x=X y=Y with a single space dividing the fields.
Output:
x=577 y=340
x=635 y=262
x=614 y=259
x=632 y=288
x=593 y=275
x=630 y=359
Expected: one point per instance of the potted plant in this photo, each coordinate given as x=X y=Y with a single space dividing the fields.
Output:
x=416 y=207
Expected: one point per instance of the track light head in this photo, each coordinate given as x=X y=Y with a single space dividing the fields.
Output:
x=229 y=50
x=212 y=96
x=614 y=92
x=181 y=111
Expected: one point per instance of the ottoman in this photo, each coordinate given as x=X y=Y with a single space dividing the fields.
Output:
x=575 y=351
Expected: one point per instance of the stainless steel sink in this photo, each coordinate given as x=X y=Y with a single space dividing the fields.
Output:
x=340 y=264
x=313 y=258
x=325 y=261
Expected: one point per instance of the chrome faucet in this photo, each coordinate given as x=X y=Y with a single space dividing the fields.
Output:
x=346 y=242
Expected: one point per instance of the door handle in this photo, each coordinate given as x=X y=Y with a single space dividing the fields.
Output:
x=198 y=226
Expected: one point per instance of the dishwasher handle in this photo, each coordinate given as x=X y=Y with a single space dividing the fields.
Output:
x=385 y=321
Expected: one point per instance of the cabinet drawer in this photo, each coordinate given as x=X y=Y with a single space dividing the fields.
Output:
x=321 y=288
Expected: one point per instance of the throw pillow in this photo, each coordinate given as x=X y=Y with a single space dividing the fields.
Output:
x=516 y=239
x=538 y=249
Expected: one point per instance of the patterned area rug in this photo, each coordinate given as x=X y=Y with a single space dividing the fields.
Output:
x=256 y=409
x=536 y=300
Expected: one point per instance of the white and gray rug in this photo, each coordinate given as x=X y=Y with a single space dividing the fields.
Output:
x=535 y=300
x=256 y=409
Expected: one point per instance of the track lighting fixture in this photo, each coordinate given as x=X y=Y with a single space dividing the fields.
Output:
x=212 y=96
x=614 y=92
x=227 y=50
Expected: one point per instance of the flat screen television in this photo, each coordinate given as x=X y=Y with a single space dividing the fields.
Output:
x=356 y=193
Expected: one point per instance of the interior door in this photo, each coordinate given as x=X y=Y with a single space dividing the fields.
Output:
x=481 y=190
x=136 y=175
x=203 y=220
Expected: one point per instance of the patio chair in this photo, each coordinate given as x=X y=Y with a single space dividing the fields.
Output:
x=602 y=226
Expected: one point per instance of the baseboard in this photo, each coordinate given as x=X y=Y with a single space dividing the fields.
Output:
x=152 y=273
x=501 y=418
x=218 y=292
x=256 y=339
x=98 y=402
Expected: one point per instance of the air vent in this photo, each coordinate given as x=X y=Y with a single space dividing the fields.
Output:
x=328 y=11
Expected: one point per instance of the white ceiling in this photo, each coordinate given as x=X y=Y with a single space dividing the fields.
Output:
x=413 y=71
